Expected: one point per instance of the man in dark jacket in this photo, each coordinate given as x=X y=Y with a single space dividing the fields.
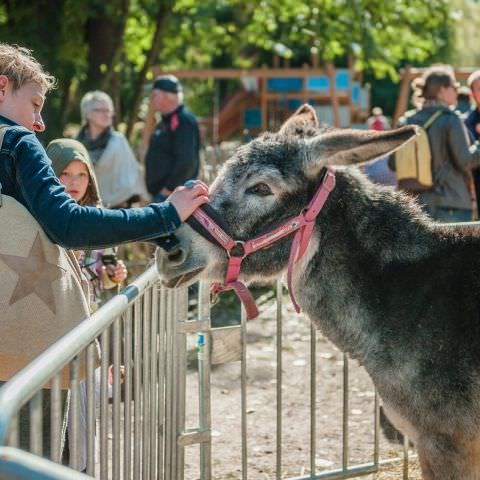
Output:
x=473 y=120
x=173 y=152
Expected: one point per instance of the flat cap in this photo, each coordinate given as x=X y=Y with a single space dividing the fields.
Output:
x=167 y=83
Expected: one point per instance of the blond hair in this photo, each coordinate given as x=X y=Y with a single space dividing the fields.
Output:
x=90 y=99
x=20 y=67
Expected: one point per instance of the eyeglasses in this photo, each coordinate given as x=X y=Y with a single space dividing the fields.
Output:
x=102 y=110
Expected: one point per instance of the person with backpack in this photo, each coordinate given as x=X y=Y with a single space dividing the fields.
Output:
x=449 y=198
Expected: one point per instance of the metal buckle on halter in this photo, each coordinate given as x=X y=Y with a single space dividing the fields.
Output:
x=239 y=244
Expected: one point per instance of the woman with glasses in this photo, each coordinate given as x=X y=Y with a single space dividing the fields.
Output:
x=435 y=96
x=119 y=175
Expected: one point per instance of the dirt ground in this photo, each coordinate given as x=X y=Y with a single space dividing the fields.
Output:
x=261 y=408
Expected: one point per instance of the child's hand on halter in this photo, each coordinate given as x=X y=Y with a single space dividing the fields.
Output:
x=188 y=198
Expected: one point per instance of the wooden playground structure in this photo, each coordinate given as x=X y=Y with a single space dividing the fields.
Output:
x=269 y=95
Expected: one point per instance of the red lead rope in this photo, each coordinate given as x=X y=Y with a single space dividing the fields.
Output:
x=303 y=224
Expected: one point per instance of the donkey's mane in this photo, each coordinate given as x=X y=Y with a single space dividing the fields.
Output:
x=386 y=222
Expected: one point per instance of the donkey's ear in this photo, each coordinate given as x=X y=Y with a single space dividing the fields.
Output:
x=345 y=147
x=304 y=118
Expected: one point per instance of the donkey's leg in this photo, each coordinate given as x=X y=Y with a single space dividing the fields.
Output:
x=445 y=457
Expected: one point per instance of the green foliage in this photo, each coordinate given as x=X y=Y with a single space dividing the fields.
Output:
x=466 y=15
x=227 y=33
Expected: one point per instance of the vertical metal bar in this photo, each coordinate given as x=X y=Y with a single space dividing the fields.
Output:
x=146 y=387
x=313 y=399
x=279 y=342
x=36 y=446
x=137 y=437
x=405 y=457
x=55 y=419
x=345 y=412
x=243 y=382
x=13 y=432
x=116 y=399
x=161 y=382
x=104 y=346
x=168 y=387
x=376 y=438
x=74 y=412
x=181 y=354
x=127 y=405
x=153 y=382
x=204 y=387
x=92 y=354
x=174 y=379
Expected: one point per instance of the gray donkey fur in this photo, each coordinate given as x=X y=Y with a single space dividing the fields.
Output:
x=396 y=291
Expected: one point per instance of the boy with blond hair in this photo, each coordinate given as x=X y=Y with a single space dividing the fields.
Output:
x=27 y=176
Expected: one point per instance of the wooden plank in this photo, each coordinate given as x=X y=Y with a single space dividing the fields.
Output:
x=192 y=438
x=193 y=327
x=264 y=100
x=229 y=73
x=402 y=100
x=333 y=95
x=226 y=345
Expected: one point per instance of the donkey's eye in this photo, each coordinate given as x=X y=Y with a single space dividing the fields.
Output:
x=261 y=189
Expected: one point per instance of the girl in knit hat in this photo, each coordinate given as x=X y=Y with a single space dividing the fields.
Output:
x=71 y=163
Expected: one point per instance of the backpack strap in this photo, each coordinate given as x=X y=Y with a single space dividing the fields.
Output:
x=3 y=129
x=432 y=119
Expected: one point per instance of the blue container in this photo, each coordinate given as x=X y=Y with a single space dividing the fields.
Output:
x=284 y=84
x=320 y=84
x=356 y=93
x=342 y=80
x=252 y=118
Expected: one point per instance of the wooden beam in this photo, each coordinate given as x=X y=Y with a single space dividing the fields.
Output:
x=264 y=100
x=460 y=73
x=402 y=100
x=232 y=73
x=333 y=95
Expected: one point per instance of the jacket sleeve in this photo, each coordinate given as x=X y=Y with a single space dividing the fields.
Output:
x=463 y=156
x=73 y=226
x=470 y=124
x=184 y=146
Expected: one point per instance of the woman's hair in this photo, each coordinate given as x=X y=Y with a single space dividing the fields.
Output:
x=20 y=67
x=90 y=99
x=90 y=199
x=433 y=79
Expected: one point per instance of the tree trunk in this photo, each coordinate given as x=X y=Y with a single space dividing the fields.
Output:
x=104 y=34
x=162 y=13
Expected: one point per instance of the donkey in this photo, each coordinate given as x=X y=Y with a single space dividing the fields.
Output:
x=398 y=292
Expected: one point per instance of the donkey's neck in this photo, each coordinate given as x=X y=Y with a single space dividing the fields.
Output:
x=364 y=232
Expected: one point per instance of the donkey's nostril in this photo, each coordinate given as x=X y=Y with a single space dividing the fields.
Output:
x=177 y=256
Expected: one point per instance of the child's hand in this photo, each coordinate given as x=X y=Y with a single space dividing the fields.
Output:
x=187 y=199
x=110 y=374
x=117 y=273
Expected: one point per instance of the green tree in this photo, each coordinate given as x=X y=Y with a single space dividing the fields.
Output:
x=112 y=45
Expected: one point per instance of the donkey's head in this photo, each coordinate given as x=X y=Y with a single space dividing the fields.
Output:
x=266 y=182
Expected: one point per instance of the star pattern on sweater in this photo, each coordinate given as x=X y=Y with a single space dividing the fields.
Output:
x=35 y=275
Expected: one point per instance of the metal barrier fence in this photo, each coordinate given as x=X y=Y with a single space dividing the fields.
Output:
x=142 y=433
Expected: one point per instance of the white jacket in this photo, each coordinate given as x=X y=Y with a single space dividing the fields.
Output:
x=119 y=174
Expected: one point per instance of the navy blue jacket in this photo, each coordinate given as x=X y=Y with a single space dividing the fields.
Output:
x=27 y=176
x=173 y=154
x=471 y=122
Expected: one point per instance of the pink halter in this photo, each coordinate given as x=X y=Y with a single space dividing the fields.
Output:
x=303 y=224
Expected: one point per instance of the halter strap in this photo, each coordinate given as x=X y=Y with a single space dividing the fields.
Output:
x=302 y=224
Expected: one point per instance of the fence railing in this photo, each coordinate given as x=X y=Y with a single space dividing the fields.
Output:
x=142 y=337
